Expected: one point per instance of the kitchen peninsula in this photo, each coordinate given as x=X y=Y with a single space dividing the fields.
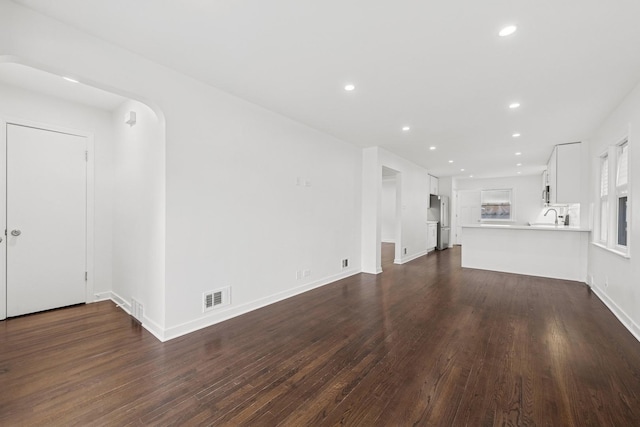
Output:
x=557 y=252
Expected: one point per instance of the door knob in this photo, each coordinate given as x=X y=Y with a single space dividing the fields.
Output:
x=16 y=232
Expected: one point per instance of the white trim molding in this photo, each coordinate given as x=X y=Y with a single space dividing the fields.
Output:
x=625 y=319
x=233 y=311
x=406 y=259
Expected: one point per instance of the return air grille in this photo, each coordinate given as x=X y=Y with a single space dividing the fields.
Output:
x=215 y=299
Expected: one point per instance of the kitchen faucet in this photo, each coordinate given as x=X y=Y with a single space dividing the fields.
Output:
x=555 y=211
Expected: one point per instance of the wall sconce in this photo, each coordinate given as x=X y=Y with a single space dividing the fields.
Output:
x=130 y=118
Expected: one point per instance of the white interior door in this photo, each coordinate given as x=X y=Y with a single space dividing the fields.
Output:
x=468 y=211
x=46 y=219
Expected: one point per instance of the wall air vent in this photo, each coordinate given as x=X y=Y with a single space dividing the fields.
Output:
x=216 y=299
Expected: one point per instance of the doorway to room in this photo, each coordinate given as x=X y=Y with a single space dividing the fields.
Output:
x=390 y=216
x=78 y=232
x=467 y=211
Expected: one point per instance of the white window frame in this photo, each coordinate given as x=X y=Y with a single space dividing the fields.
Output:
x=621 y=190
x=606 y=235
x=511 y=205
x=603 y=192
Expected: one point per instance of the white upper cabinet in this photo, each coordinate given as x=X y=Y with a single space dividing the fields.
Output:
x=551 y=174
x=545 y=183
x=563 y=172
x=433 y=185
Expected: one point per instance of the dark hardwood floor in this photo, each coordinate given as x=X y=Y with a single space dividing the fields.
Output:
x=425 y=343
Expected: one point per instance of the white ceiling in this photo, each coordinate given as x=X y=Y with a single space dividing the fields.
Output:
x=49 y=84
x=438 y=67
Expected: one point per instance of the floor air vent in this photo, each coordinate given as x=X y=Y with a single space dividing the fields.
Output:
x=137 y=310
x=216 y=299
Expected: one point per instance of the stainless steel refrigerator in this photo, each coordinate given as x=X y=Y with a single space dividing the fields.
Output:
x=440 y=212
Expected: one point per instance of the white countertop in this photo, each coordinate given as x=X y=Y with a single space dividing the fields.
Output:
x=538 y=227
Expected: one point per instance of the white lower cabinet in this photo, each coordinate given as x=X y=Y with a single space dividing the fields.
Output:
x=432 y=236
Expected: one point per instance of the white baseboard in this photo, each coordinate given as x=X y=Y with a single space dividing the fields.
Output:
x=406 y=259
x=151 y=326
x=618 y=312
x=231 y=312
x=120 y=302
x=102 y=296
x=192 y=326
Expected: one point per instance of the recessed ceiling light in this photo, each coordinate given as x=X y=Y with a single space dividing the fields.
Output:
x=461 y=170
x=432 y=148
x=406 y=128
x=514 y=105
x=518 y=164
x=519 y=172
x=470 y=176
x=507 y=31
x=450 y=161
x=516 y=135
x=349 y=87
x=69 y=79
x=518 y=153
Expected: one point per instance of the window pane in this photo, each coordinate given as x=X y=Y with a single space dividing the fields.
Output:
x=623 y=161
x=496 y=197
x=622 y=221
x=604 y=176
x=502 y=212
x=604 y=209
x=496 y=204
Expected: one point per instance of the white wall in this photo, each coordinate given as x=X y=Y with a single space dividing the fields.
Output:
x=139 y=214
x=615 y=278
x=445 y=186
x=414 y=191
x=235 y=215
x=527 y=199
x=371 y=232
x=388 y=209
x=17 y=103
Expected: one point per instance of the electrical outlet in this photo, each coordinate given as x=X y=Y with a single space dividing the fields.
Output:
x=298 y=274
x=405 y=251
x=345 y=263
x=306 y=273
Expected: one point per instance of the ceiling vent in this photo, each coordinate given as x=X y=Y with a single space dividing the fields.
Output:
x=216 y=299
